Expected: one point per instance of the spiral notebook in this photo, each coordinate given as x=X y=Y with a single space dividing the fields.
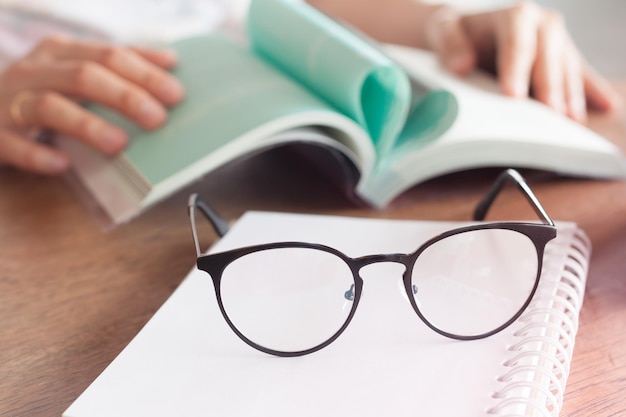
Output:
x=187 y=362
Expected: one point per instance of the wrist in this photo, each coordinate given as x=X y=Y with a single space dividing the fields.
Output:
x=406 y=22
x=422 y=17
x=395 y=21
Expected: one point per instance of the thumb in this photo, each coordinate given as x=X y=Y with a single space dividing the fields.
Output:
x=446 y=36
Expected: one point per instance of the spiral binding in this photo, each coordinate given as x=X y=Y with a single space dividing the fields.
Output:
x=535 y=381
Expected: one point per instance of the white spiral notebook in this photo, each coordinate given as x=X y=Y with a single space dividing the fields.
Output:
x=187 y=362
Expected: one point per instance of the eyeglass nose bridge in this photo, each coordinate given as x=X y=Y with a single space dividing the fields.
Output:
x=400 y=258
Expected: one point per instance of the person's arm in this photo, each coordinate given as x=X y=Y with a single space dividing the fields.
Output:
x=526 y=45
x=391 y=21
x=41 y=90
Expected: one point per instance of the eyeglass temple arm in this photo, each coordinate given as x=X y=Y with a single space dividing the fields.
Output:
x=511 y=175
x=219 y=224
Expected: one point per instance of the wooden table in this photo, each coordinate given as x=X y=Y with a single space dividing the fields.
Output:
x=71 y=296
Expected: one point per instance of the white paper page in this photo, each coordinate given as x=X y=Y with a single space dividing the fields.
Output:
x=187 y=362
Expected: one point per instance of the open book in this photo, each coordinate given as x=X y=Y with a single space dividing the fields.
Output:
x=186 y=361
x=391 y=113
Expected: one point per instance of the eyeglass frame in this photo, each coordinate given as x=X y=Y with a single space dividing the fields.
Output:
x=539 y=234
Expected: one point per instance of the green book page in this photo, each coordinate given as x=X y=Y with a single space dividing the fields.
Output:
x=229 y=91
x=343 y=68
x=430 y=117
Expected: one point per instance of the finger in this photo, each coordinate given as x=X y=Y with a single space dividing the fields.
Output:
x=164 y=58
x=574 y=84
x=516 y=42
x=599 y=93
x=71 y=48
x=145 y=74
x=91 y=81
x=53 y=111
x=548 y=79
x=125 y=62
x=22 y=153
x=447 y=38
x=88 y=80
x=136 y=69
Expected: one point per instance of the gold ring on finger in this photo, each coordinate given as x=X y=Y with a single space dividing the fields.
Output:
x=15 y=110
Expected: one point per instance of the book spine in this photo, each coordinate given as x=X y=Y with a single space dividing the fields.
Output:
x=536 y=375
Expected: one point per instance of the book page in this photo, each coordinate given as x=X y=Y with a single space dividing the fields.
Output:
x=229 y=93
x=338 y=65
x=186 y=361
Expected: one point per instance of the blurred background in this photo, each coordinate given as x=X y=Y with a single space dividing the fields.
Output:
x=597 y=26
x=599 y=29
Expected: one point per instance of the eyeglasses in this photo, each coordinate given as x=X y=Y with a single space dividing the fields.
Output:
x=295 y=298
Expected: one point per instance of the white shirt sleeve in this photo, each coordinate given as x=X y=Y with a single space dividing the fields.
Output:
x=24 y=23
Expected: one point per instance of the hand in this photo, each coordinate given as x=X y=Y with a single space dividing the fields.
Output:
x=530 y=50
x=41 y=91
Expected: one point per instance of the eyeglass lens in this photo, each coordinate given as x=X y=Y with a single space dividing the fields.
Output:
x=288 y=299
x=464 y=284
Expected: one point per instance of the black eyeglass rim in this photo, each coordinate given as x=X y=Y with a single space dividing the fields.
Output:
x=538 y=233
x=216 y=264
x=229 y=258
